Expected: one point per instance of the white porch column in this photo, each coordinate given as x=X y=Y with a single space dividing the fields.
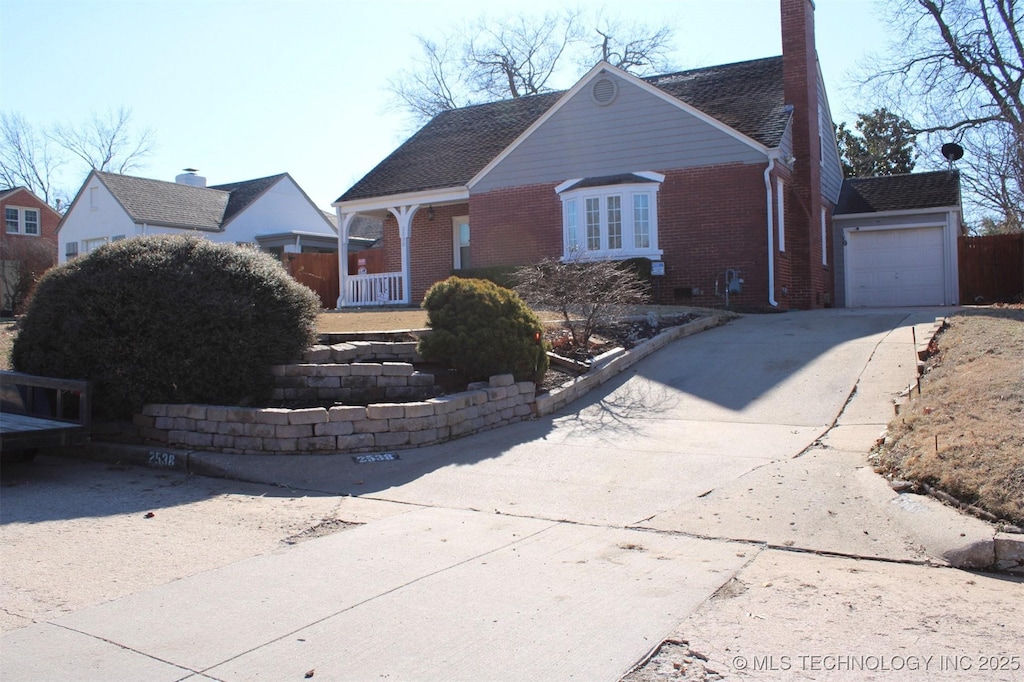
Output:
x=344 y=222
x=404 y=216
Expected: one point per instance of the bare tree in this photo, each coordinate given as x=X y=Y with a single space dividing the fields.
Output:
x=28 y=158
x=35 y=158
x=637 y=48
x=520 y=55
x=435 y=85
x=517 y=56
x=24 y=262
x=585 y=293
x=107 y=142
x=955 y=71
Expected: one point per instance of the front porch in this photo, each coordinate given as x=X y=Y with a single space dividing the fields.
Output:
x=433 y=226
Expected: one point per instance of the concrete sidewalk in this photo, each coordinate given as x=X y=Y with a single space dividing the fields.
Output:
x=567 y=547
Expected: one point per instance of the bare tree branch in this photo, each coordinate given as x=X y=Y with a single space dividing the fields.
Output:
x=107 y=142
x=957 y=70
x=27 y=159
x=431 y=87
x=637 y=48
x=520 y=55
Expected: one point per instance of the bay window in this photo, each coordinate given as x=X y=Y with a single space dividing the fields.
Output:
x=619 y=216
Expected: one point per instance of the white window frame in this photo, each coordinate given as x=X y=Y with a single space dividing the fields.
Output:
x=90 y=245
x=70 y=250
x=457 y=244
x=583 y=239
x=21 y=226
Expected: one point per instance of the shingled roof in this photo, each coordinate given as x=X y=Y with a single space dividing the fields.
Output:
x=899 y=192
x=457 y=144
x=244 y=193
x=158 y=202
x=453 y=147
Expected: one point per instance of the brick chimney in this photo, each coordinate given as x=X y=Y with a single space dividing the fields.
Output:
x=803 y=201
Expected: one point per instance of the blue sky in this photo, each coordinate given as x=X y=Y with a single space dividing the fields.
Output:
x=242 y=89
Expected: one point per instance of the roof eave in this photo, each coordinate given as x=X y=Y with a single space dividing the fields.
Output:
x=443 y=195
x=897 y=213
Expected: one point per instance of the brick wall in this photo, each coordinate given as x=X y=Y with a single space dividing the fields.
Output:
x=515 y=226
x=30 y=252
x=807 y=279
x=432 y=247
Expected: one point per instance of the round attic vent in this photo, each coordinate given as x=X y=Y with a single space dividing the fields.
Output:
x=604 y=91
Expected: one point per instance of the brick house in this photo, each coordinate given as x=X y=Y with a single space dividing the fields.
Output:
x=725 y=175
x=28 y=244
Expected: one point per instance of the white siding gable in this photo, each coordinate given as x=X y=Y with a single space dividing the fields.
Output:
x=637 y=130
x=94 y=215
x=282 y=208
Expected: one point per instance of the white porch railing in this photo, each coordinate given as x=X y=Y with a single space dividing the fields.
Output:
x=380 y=289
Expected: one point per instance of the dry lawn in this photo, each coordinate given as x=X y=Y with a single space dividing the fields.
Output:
x=965 y=434
x=383 y=319
x=7 y=335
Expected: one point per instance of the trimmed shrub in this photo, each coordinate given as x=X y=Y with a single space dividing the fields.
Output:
x=167 y=319
x=482 y=329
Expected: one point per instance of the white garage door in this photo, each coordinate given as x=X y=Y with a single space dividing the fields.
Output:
x=895 y=267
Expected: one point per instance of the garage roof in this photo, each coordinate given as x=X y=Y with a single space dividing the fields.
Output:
x=899 y=192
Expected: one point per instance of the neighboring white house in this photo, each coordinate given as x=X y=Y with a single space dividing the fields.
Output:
x=271 y=212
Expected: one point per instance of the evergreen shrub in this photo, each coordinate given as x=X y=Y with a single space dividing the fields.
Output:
x=482 y=329
x=167 y=319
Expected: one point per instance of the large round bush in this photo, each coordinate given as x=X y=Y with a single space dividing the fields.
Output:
x=482 y=329
x=166 y=319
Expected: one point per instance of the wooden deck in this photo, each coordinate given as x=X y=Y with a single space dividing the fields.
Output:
x=41 y=412
x=21 y=432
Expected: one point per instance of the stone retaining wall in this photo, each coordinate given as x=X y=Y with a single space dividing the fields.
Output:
x=353 y=429
x=270 y=430
x=355 y=383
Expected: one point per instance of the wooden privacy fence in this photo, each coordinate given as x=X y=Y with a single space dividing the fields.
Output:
x=991 y=268
x=319 y=271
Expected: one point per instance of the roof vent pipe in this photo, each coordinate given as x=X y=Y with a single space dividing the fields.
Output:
x=190 y=178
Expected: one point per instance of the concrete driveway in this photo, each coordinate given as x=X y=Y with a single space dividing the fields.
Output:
x=570 y=547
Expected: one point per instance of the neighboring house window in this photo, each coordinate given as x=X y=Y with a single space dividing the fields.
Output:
x=117 y=238
x=71 y=250
x=21 y=220
x=90 y=245
x=824 y=241
x=780 y=201
x=616 y=221
x=93 y=201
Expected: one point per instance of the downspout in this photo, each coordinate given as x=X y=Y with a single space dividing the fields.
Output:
x=771 y=229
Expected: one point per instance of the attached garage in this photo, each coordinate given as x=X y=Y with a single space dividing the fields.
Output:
x=896 y=250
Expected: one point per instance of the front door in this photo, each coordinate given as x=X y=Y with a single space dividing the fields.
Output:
x=460 y=239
